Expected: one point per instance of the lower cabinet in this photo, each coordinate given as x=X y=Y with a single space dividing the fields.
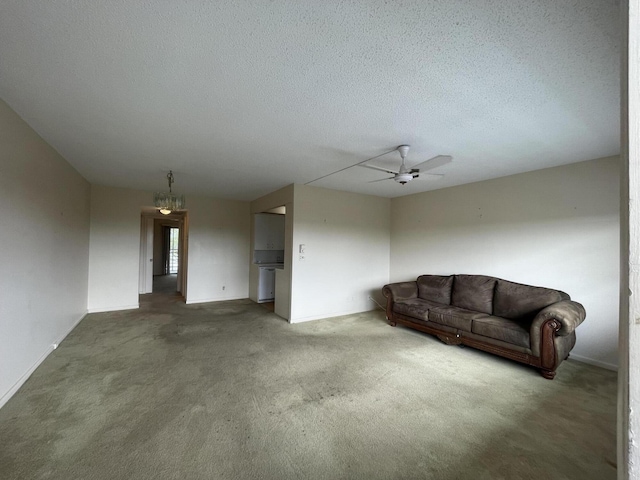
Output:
x=266 y=284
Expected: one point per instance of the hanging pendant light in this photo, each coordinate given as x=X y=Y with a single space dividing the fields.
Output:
x=168 y=202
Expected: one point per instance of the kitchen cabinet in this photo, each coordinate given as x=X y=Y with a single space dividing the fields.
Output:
x=268 y=231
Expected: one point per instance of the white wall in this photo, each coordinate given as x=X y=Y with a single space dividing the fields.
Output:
x=219 y=254
x=218 y=248
x=45 y=250
x=347 y=247
x=629 y=374
x=114 y=253
x=556 y=228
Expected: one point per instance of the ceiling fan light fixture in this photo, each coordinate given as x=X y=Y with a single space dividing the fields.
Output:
x=168 y=202
x=404 y=175
x=403 y=178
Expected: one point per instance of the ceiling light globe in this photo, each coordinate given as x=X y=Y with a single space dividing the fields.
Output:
x=403 y=178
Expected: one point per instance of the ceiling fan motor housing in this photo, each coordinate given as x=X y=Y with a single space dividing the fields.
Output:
x=403 y=149
x=403 y=178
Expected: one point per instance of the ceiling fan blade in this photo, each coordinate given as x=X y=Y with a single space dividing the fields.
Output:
x=434 y=162
x=381 y=180
x=427 y=176
x=373 y=167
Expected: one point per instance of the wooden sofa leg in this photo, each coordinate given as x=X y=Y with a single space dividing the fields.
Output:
x=548 y=374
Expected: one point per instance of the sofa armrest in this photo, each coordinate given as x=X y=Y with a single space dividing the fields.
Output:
x=570 y=314
x=400 y=291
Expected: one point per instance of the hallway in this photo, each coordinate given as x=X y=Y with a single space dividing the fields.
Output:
x=164 y=290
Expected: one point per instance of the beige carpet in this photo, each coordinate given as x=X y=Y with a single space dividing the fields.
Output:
x=230 y=391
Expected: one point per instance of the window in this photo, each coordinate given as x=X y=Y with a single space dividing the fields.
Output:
x=174 y=234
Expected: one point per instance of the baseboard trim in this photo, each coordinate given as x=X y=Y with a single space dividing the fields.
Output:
x=210 y=300
x=16 y=386
x=591 y=361
x=113 y=309
x=329 y=315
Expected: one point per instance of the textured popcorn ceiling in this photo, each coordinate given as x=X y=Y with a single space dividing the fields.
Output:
x=240 y=98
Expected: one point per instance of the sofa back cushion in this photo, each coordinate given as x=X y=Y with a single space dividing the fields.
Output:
x=436 y=288
x=523 y=302
x=473 y=292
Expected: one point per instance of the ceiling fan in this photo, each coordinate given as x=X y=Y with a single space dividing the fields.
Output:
x=404 y=174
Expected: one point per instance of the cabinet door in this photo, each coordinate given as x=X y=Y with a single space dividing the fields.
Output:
x=278 y=232
x=268 y=231
x=261 y=232
x=266 y=284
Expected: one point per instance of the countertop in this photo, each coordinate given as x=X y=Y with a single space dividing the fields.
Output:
x=271 y=265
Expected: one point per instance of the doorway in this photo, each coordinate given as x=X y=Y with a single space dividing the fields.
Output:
x=166 y=251
x=163 y=254
x=270 y=269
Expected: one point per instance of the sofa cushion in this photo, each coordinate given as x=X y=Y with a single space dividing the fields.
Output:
x=415 y=307
x=454 y=317
x=522 y=302
x=516 y=333
x=473 y=292
x=436 y=288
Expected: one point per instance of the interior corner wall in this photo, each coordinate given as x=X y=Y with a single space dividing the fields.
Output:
x=218 y=248
x=45 y=250
x=346 y=252
x=557 y=228
x=114 y=253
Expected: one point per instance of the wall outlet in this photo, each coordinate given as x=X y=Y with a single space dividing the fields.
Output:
x=223 y=287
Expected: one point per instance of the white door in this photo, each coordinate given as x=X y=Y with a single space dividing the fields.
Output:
x=183 y=255
x=146 y=256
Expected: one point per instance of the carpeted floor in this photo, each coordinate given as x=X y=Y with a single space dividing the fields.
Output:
x=229 y=390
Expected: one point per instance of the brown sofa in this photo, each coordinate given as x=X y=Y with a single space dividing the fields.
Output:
x=532 y=325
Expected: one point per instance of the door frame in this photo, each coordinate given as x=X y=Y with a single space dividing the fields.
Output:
x=145 y=280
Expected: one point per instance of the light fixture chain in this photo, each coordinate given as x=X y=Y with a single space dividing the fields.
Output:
x=168 y=202
x=170 y=179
